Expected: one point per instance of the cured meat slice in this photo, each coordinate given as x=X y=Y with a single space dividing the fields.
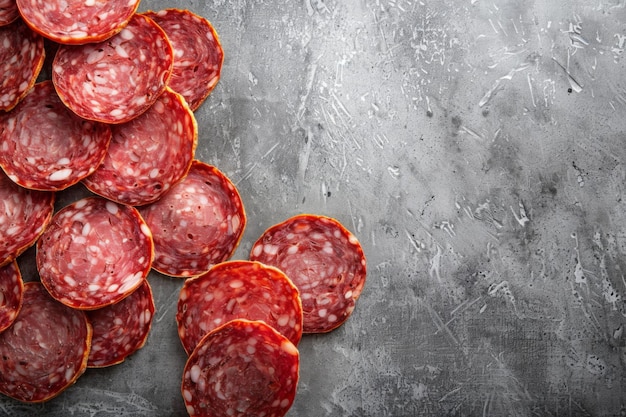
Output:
x=198 y=53
x=197 y=224
x=116 y=80
x=94 y=253
x=238 y=289
x=323 y=259
x=21 y=55
x=45 y=350
x=77 y=22
x=24 y=214
x=121 y=329
x=8 y=12
x=148 y=154
x=44 y=146
x=11 y=292
x=243 y=368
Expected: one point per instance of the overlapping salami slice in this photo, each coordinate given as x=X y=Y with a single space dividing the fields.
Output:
x=44 y=146
x=24 y=214
x=238 y=289
x=148 y=154
x=11 y=294
x=323 y=259
x=198 y=54
x=116 y=80
x=45 y=350
x=77 y=22
x=197 y=224
x=8 y=12
x=243 y=368
x=94 y=253
x=121 y=329
x=21 y=58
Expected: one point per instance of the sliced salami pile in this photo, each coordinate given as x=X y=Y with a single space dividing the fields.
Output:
x=243 y=368
x=11 y=294
x=323 y=259
x=46 y=348
x=238 y=289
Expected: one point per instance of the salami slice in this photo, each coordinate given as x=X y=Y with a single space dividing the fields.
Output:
x=77 y=22
x=21 y=56
x=94 y=253
x=198 y=53
x=243 y=368
x=238 y=289
x=149 y=154
x=197 y=224
x=11 y=294
x=24 y=214
x=116 y=80
x=44 y=146
x=121 y=329
x=323 y=259
x=45 y=350
x=8 y=12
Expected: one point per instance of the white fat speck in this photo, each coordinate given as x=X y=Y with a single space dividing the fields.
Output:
x=283 y=320
x=289 y=348
x=348 y=295
x=60 y=175
x=93 y=287
x=236 y=284
x=121 y=51
x=63 y=161
x=127 y=34
x=270 y=249
x=195 y=373
x=69 y=280
x=154 y=173
x=322 y=312
x=112 y=207
x=86 y=229
x=90 y=2
x=332 y=318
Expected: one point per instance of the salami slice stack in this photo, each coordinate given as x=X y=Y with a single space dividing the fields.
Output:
x=94 y=253
x=45 y=350
x=11 y=294
x=243 y=368
x=323 y=259
x=44 y=146
x=238 y=289
x=148 y=154
x=197 y=224
x=198 y=54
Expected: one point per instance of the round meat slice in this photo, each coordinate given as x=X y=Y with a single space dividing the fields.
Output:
x=21 y=55
x=243 y=368
x=77 y=21
x=148 y=154
x=44 y=146
x=323 y=259
x=24 y=214
x=11 y=292
x=45 y=350
x=121 y=329
x=198 y=54
x=8 y=12
x=197 y=224
x=116 y=80
x=238 y=289
x=94 y=253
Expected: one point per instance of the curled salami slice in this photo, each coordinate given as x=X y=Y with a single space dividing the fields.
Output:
x=243 y=368
x=121 y=329
x=11 y=292
x=94 y=253
x=24 y=214
x=45 y=350
x=323 y=259
x=116 y=80
x=198 y=54
x=21 y=56
x=8 y=12
x=44 y=146
x=77 y=22
x=148 y=154
x=238 y=289
x=197 y=224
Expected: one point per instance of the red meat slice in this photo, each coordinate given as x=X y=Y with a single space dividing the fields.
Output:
x=243 y=368
x=45 y=350
x=8 y=12
x=116 y=80
x=149 y=154
x=44 y=146
x=323 y=259
x=94 y=253
x=11 y=294
x=121 y=329
x=198 y=54
x=238 y=289
x=197 y=224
